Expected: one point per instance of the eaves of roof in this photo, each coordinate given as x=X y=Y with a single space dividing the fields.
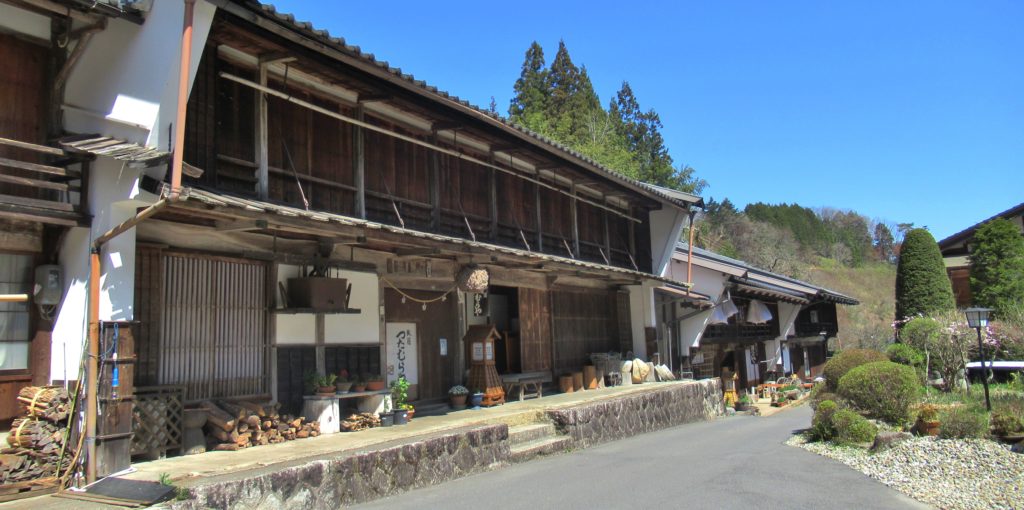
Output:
x=962 y=235
x=764 y=277
x=384 y=70
x=220 y=200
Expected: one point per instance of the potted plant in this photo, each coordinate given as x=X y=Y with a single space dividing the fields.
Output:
x=325 y=384
x=743 y=403
x=476 y=398
x=779 y=400
x=409 y=411
x=387 y=416
x=399 y=396
x=457 y=395
x=358 y=384
x=927 y=420
x=374 y=383
x=344 y=384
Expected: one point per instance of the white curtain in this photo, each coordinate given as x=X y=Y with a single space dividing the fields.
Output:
x=758 y=313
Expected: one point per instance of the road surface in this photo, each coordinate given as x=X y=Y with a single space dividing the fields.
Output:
x=738 y=462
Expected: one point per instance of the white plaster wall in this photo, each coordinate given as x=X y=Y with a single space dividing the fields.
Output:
x=642 y=314
x=21 y=21
x=129 y=75
x=362 y=328
x=666 y=226
x=72 y=316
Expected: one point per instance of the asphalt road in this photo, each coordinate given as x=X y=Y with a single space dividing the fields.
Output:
x=731 y=463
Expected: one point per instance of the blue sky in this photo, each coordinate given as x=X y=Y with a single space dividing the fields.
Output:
x=903 y=111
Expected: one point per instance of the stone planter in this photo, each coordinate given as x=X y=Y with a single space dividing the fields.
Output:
x=343 y=387
x=193 y=440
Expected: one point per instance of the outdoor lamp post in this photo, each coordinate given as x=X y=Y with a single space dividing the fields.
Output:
x=977 y=318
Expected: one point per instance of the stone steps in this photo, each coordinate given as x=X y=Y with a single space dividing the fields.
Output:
x=544 y=446
x=531 y=432
x=534 y=439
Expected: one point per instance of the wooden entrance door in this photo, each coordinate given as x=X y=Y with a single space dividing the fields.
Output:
x=439 y=320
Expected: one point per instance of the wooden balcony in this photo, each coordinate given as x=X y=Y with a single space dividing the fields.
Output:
x=42 y=184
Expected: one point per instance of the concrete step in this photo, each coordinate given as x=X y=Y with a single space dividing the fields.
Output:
x=432 y=408
x=545 y=446
x=531 y=432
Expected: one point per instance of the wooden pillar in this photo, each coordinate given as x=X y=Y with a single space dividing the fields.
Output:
x=435 y=187
x=321 y=355
x=359 y=165
x=262 y=141
x=575 y=223
x=607 y=235
x=492 y=184
x=632 y=236
x=540 y=226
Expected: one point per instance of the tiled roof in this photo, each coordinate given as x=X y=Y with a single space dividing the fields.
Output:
x=217 y=199
x=969 y=231
x=338 y=43
x=753 y=271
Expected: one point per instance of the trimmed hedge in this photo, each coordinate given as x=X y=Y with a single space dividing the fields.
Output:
x=883 y=389
x=852 y=428
x=846 y=360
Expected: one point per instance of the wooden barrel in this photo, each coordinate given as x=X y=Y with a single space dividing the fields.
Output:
x=589 y=377
x=565 y=384
x=577 y=381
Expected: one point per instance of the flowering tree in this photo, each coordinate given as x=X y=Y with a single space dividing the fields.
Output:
x=946 y=340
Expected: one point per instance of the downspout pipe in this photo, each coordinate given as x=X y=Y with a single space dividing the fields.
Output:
x=689 y=254
x=94 y=256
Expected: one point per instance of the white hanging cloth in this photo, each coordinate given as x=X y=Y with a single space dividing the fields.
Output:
x=758 y=313
x=718 y=317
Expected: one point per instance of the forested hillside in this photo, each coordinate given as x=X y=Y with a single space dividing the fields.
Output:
x=842 y=250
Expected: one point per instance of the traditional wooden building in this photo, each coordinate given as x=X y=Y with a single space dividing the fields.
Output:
x=956 y=254
x=303 y=155
x=759 y=325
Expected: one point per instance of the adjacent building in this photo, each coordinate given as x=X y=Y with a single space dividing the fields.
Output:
x=956 y=254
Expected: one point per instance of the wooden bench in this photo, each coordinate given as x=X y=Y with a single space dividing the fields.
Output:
x=530 y=384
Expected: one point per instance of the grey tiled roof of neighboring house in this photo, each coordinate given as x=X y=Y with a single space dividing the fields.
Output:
x=823 y=293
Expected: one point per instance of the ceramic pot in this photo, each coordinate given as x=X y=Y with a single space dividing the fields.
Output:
x=343 y=387
x=387 y=419
x=374 y=385
x=357 y=387
x=458 y=401
x=401 y=417
x=475 y=400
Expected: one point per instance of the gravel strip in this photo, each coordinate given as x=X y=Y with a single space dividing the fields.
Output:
x=955 y=474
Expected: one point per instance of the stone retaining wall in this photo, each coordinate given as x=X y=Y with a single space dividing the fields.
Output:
x=632 y=414
x=360 y=477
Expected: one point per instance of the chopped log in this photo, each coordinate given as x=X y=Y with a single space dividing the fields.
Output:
x=253 y=421
x=239 y=412
x=242 y=427
x=218 y=417
x=226 y=447
x=254 y=408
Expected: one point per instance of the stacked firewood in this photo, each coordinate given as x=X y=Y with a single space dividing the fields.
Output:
x=36 y=438
x=359 y=421
x=49 y=403
x=235 y=425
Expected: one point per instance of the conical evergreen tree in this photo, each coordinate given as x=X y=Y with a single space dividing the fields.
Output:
x=921 y=283
x=997 y=266
x=529 y=105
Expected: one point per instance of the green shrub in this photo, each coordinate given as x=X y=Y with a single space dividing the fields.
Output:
x=846 y=360
x=851 y=427
x=821 y=425
x=905 y=355
x=962 y=422
x=1004 y=423
x=883 y=389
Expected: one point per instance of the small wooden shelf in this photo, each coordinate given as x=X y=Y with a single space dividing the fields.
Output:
x=293 y=311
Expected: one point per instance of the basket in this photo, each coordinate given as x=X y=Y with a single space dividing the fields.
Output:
x=606 y=363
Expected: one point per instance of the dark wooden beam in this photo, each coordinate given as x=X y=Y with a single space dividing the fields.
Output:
x=505 y=147
x=276 y=57
x=446 y=125
x=359 y=165
x=417 y=252
x=492 y=194
x=371 y=98
x=540 y=224
x=435 y=188
x=241 y=226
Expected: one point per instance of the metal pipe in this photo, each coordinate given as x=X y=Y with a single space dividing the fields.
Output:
x=94 y=257
x=179 y=121
x=13 y=298
x=689 y=255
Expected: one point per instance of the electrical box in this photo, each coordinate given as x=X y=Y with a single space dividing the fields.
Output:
x=49 y=285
